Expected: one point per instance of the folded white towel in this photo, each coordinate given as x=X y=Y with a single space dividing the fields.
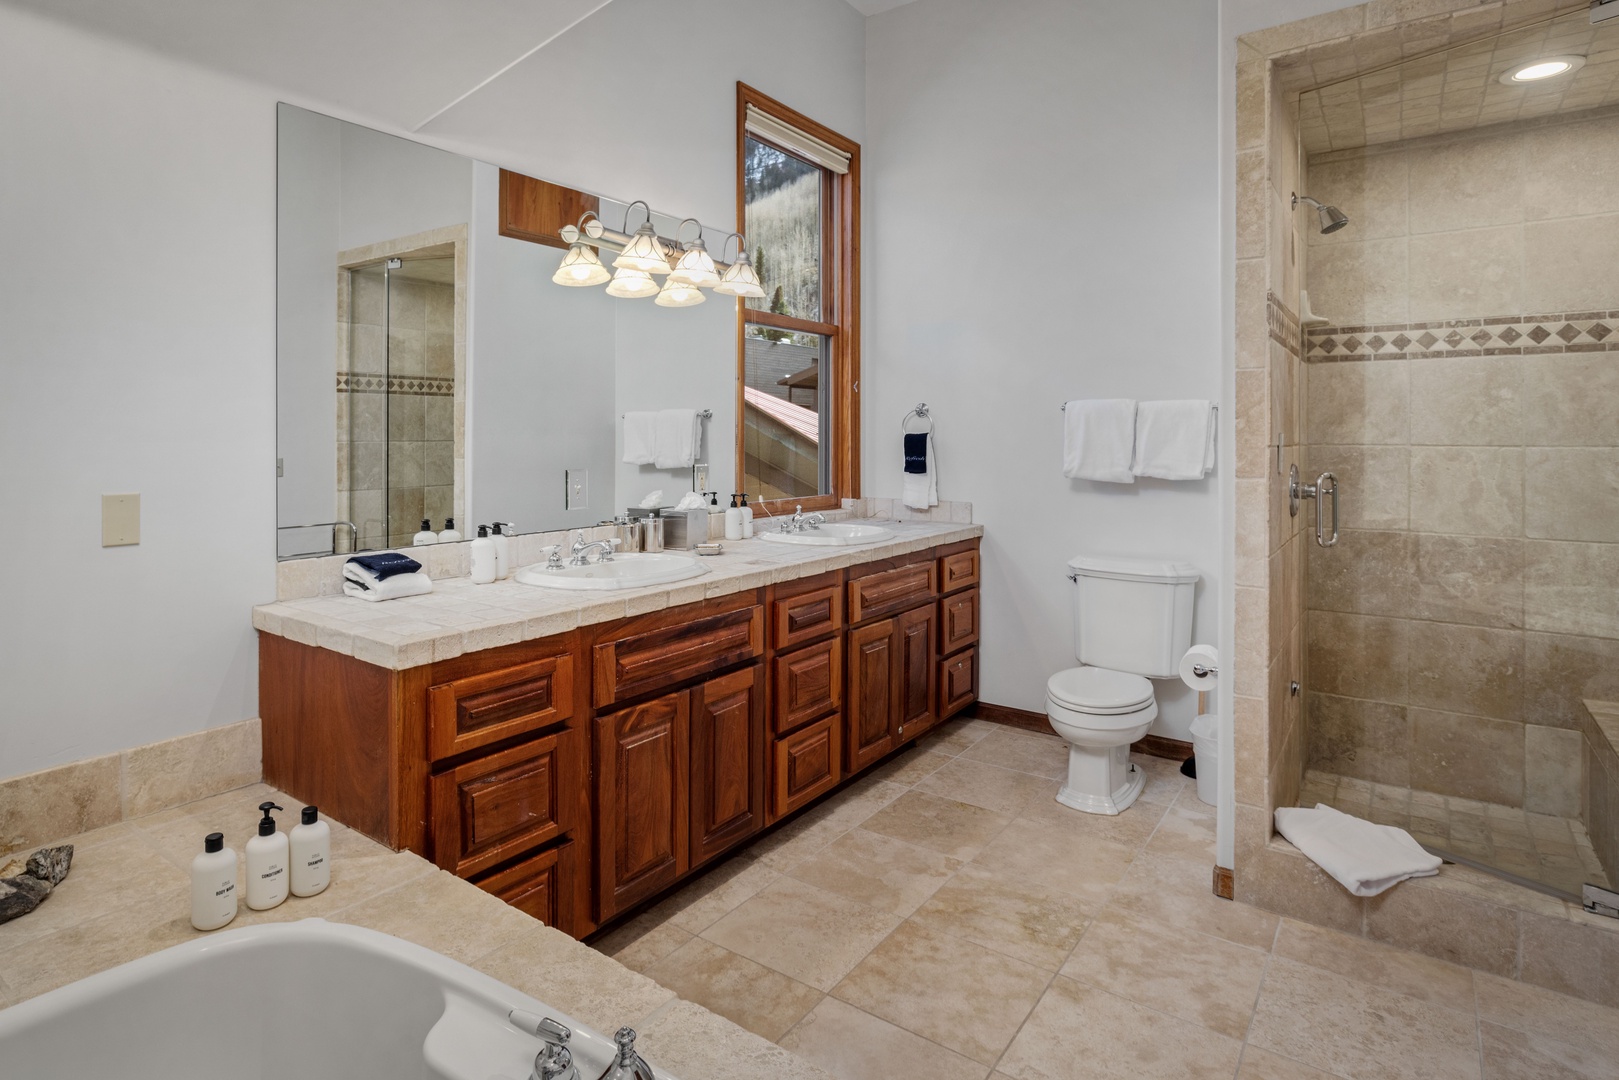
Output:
x=1098 y=439
x=1364 y=857
x=676 y=438
x=640 y=437
x=921 y=490
x=358 y=581
x=1174 y=439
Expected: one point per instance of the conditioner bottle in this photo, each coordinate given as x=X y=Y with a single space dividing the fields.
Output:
x=266 y=863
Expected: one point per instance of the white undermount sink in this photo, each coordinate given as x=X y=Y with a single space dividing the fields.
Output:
x=630 y=571
x=832 y=534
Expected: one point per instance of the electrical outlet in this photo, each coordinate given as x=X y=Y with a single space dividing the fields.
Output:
x=576 y=489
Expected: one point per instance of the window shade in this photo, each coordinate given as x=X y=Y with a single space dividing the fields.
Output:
x=801 y=143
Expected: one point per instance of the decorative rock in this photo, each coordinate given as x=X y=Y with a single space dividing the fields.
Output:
x=51 y=864
x=20 y=895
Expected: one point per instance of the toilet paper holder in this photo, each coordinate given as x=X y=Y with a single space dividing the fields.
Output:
x=1203 y=671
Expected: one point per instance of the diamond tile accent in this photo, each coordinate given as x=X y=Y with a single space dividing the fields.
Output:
x=1400 y=342
x=1509 y=335
x=1569 y=332
x=1576 y=331
x=1599 y=331
x=1480 y=338
x=1539 y=334
x=1375 y=342
x=1329 y=344
x=1454 y=339
x=1427 y=340
x=1352 y=344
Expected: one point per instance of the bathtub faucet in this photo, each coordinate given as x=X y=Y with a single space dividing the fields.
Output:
x=628 y=1065
x=555 y=1060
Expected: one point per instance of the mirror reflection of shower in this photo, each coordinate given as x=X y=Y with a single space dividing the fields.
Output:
x=1332 y=218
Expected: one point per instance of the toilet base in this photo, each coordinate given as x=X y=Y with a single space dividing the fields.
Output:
x=1101 y=780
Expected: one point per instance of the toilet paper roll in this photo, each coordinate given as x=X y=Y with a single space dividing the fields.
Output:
x=1200 y=656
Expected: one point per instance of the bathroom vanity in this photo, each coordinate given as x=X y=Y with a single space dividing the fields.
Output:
x=579 y=772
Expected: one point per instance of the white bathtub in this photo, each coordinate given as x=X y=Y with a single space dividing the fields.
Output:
x=309 y=1000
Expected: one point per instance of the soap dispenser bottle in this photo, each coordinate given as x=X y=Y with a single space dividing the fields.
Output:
x=310 y=847
x=503 y=549
x=449 y=535
x=425 y=536
x=747 y=518
x=483 y=557
x=266 y=863
x=733 y=519
x=213 y=884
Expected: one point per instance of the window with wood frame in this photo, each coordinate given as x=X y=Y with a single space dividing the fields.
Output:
x=798 y=206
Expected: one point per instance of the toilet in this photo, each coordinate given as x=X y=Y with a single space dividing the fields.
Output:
x=1132 y=623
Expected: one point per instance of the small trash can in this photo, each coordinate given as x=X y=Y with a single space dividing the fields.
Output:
x=1206 y=749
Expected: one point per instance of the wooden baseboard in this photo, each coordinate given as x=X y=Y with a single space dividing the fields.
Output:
x=1025 y=720
x=1225 y=885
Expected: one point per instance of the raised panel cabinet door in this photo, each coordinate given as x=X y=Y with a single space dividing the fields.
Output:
x=808 y=684
x=805 y=765
x=465 y=714
x=497 y=806
x=642 y=771
x=641 y=663
x=958 y=621
x=541 y=886
x=958 y=682
x=872 y=703
x=727 y=762
x=916 y=653
x=958 y=571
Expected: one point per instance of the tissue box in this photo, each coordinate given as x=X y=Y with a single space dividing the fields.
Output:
x=681 y=528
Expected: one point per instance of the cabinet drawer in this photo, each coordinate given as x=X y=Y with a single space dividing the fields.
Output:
x=805 y=765
x=475 y=711
x=807 y=683
x=807 y=616
x=541 y=885
x=958 y=621
x=958 y=682
x=958 y=571
x=641 y=663
x=890 y=591
x=496 y=807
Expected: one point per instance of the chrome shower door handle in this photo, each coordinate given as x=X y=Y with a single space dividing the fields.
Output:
x=1326 y=484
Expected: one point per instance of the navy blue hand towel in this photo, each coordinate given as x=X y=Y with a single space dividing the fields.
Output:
x=916 y=452
x=385 y=564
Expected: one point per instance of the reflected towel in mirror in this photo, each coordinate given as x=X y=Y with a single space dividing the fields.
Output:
x=640 y=437
x=676 y=438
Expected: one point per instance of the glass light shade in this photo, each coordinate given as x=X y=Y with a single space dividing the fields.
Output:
x=679 y=294
x=695 y=267
x=580 y=266
x=631 y=284
x=645 y=252
x=740 y=279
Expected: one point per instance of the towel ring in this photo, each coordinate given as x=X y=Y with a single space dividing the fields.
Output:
x=918 y=413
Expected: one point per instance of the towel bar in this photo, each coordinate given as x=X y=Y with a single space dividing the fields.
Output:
x=1064 y=407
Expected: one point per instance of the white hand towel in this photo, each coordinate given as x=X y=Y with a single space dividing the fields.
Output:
x=1174 y=439
x=1365 y=858
x=1098 y=439
x=921 y=490
x=392 y=588
x=676 y=439
x=640 y=437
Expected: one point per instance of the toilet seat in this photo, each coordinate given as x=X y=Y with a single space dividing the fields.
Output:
x=1099 y=691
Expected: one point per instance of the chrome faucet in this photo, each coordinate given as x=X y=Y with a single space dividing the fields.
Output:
x=555 y=1060
x=628 y=1065
x=582 y=550
x=802 y=522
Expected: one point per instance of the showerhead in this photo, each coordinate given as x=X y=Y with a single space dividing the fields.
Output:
x=1332 y=219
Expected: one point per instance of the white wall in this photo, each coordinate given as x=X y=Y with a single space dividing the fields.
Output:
x=1071 y=251
x=395 y=187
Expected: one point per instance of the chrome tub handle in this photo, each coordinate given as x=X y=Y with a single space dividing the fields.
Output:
x=1325 y=485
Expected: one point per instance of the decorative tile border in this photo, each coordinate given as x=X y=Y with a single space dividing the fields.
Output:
x=1495 y=335
x=1282 y=324
x=420 y=385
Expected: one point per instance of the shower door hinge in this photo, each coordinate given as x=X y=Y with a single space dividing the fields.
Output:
x=1600 y=901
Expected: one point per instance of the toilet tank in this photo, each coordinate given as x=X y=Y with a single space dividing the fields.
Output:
x=1132 y=615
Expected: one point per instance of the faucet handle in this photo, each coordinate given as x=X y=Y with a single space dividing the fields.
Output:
x=552 y=1031
x=629 y=1065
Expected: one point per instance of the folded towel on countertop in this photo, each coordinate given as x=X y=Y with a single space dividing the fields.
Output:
x=1098 y=440
x=640 y=437
x=1174 y=439
x=1364 y=857
x=383 y=565
x=676 y=441
x=400 y=585
x=921 y=490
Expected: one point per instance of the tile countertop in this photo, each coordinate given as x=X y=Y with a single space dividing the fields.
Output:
x=460 y=617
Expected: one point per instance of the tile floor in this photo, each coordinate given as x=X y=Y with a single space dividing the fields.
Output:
x=945 y=918
x=1552 y=850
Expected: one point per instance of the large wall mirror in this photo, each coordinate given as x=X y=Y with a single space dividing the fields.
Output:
x=429 y=369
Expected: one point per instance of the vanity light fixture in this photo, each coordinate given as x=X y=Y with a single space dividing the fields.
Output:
x=581 y=266
x=631 y=284
x=1546 y=68
x=645 y=251
x=694 y=267
x=740 y=278
x=677 y=293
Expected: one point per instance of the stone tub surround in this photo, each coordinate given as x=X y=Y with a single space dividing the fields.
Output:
x=129 y=895
x=1599 y=723
x=460 y=617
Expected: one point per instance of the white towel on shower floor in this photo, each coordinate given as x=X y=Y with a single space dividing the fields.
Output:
x=676 y=439
x=1364 y=857
x=640 y=437
x=1098 y=439
x=1174 y=439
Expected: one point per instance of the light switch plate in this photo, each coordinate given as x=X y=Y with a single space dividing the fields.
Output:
x=576 y=489
x=120 y=520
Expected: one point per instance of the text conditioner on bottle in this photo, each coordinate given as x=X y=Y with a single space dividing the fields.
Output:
x=266 y=863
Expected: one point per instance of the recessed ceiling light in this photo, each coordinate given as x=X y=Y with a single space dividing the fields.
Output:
x=1537 y=70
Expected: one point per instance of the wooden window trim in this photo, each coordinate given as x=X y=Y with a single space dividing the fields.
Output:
x=840 y=305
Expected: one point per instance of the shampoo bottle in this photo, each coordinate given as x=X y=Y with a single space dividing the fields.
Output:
x=310 y=845
x=425 y=536
x=213 y=884
x=502 y=550
x=449 y=535
x=483 y=557
x=733 y=520
x=266 y=863
x=747 y=518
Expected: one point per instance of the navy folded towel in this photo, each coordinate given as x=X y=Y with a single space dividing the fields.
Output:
x=916 y=452
x=385 y=564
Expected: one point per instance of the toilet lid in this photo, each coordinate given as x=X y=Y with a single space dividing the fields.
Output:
x=1099 y=690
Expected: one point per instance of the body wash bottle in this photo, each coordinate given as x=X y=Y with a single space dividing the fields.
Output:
x=310 y=846
x=213 y=884
x=483 y=557
x=450 y=534
x=425 y=536
x=266 y=863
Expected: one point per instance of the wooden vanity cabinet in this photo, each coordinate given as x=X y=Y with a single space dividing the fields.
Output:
x=956 y=672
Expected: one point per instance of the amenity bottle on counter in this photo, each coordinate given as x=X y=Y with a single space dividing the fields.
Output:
x=266 y=863
x=503 y=548
x=747 y=518
x=483 y=557
x=425 y=536
x=213 y=884
x=450 y=535
x=733 y=519
x=310 y=847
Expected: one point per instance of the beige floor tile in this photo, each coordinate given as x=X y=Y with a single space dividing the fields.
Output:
x=1026 y=752
x=854 y=1045
x=1536 y=1011
x=642 y=941
x=910 y=766
x=749 y=995
x=1185 y=833
x=1059 y=856
x=944 y=825
x=992 y=787
x=1206 y=980
x=684 y=1040
x=1358 y=1030
x=803 y=932
x=1260 y=1064
x=1133 y=827
x=1108 y=1037
x=136 y=929
x=1020 y=919
x=955 y=993
x=878 y=871
x=1383 y=966
x=813 y=830
x=716 y=894
x=1514 y=1055
x=132 y=865
x=957 y=735
x=441 y=912
x=592 y=988
x=1176 y=893
x=1164 y=779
